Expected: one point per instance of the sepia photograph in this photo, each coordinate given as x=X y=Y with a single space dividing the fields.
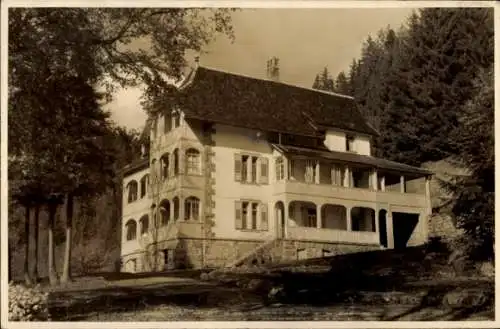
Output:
x=241 y=161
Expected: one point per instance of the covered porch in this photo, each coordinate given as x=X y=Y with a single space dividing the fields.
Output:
x=346 y=223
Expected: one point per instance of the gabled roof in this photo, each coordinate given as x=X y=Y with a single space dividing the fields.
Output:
x=237 y=100
x=353 y=158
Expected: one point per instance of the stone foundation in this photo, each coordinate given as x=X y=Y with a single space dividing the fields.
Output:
x=187 y=253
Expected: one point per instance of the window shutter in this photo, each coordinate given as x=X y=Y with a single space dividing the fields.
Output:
x=264 y=222
x=237 y=215
x=237 y=167
x=333 y=174
x=264 y=171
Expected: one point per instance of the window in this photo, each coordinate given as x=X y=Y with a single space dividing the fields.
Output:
x=193 y=161
x=310 y=220
x=244 y=214
x=254 y=216
x=167 y=124
x=164 y=212
x=244 y=168
x=310 y=174
x=132 y=191
x=248 y=214
x=175 y=201
x=144 y=223
x=144 y=185
x=254 y=170
x=337 y=175
x=192 y=208
x=176 y=161
x=280 y=168
x=131 y=228
x=176 y=119
x=349 y=143
x=164 y=161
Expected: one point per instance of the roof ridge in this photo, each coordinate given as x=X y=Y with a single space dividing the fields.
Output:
x=331 y=93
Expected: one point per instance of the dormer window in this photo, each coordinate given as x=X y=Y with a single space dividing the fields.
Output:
x=176 y=119
x=349 y=143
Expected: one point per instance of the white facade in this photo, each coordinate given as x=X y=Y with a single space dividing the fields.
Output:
x=257 y=193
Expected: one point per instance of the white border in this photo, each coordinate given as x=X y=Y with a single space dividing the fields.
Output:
x=241 y=4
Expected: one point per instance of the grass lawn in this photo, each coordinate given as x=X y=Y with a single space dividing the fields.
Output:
x=384 y=286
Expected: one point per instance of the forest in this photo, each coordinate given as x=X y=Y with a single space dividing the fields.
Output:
x=427 y=87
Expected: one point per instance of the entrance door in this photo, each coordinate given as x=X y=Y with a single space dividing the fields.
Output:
x=168 y=259
x=382 y=226
x=404 y=225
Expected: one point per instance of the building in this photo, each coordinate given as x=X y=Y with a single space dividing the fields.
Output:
x=239 y=167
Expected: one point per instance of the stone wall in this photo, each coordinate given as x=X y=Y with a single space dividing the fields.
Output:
x=295 y=250
x=219 y=252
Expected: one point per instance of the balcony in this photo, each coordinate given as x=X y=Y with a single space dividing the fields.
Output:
x=290 y=190
x=323 y=180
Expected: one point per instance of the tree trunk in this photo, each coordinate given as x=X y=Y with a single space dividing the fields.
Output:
x=27 y=278
x=53 y=277
x=9 y=259
x=66 y=276
x=36 y=225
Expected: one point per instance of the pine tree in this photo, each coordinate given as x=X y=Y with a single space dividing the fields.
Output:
x=324 y=81
x=342 y=85
x=437 y=62
x=474 y=194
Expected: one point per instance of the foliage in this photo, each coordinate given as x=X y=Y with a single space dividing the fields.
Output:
x=474 y=194
x=128 y=46
x=324 y=81
x=27 y=304
x=411 y=84
x=58 y=60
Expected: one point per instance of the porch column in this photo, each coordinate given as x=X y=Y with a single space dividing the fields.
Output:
x=316 y=169
x=402 y=184
x=318 y=216
x=285 y=218
x=425 y=224
x=375 y=179
x=346 y=177
x=428 y=194
x=390 y=230
x=377 y=224
x=286 y=174
x=249 y=169
x=348 y=219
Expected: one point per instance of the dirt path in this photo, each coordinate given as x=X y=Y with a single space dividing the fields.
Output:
x=292 y=313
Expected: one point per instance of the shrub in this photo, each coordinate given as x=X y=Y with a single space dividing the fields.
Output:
x=27 y=304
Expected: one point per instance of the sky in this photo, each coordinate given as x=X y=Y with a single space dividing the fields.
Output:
x=304 y=40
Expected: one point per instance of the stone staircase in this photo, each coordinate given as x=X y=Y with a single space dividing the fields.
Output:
x=263 y=254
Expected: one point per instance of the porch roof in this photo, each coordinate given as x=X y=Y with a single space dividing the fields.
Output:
x=353 y=158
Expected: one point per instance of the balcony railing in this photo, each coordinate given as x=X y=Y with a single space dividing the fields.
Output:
x=296 y=189
x=332 y=235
